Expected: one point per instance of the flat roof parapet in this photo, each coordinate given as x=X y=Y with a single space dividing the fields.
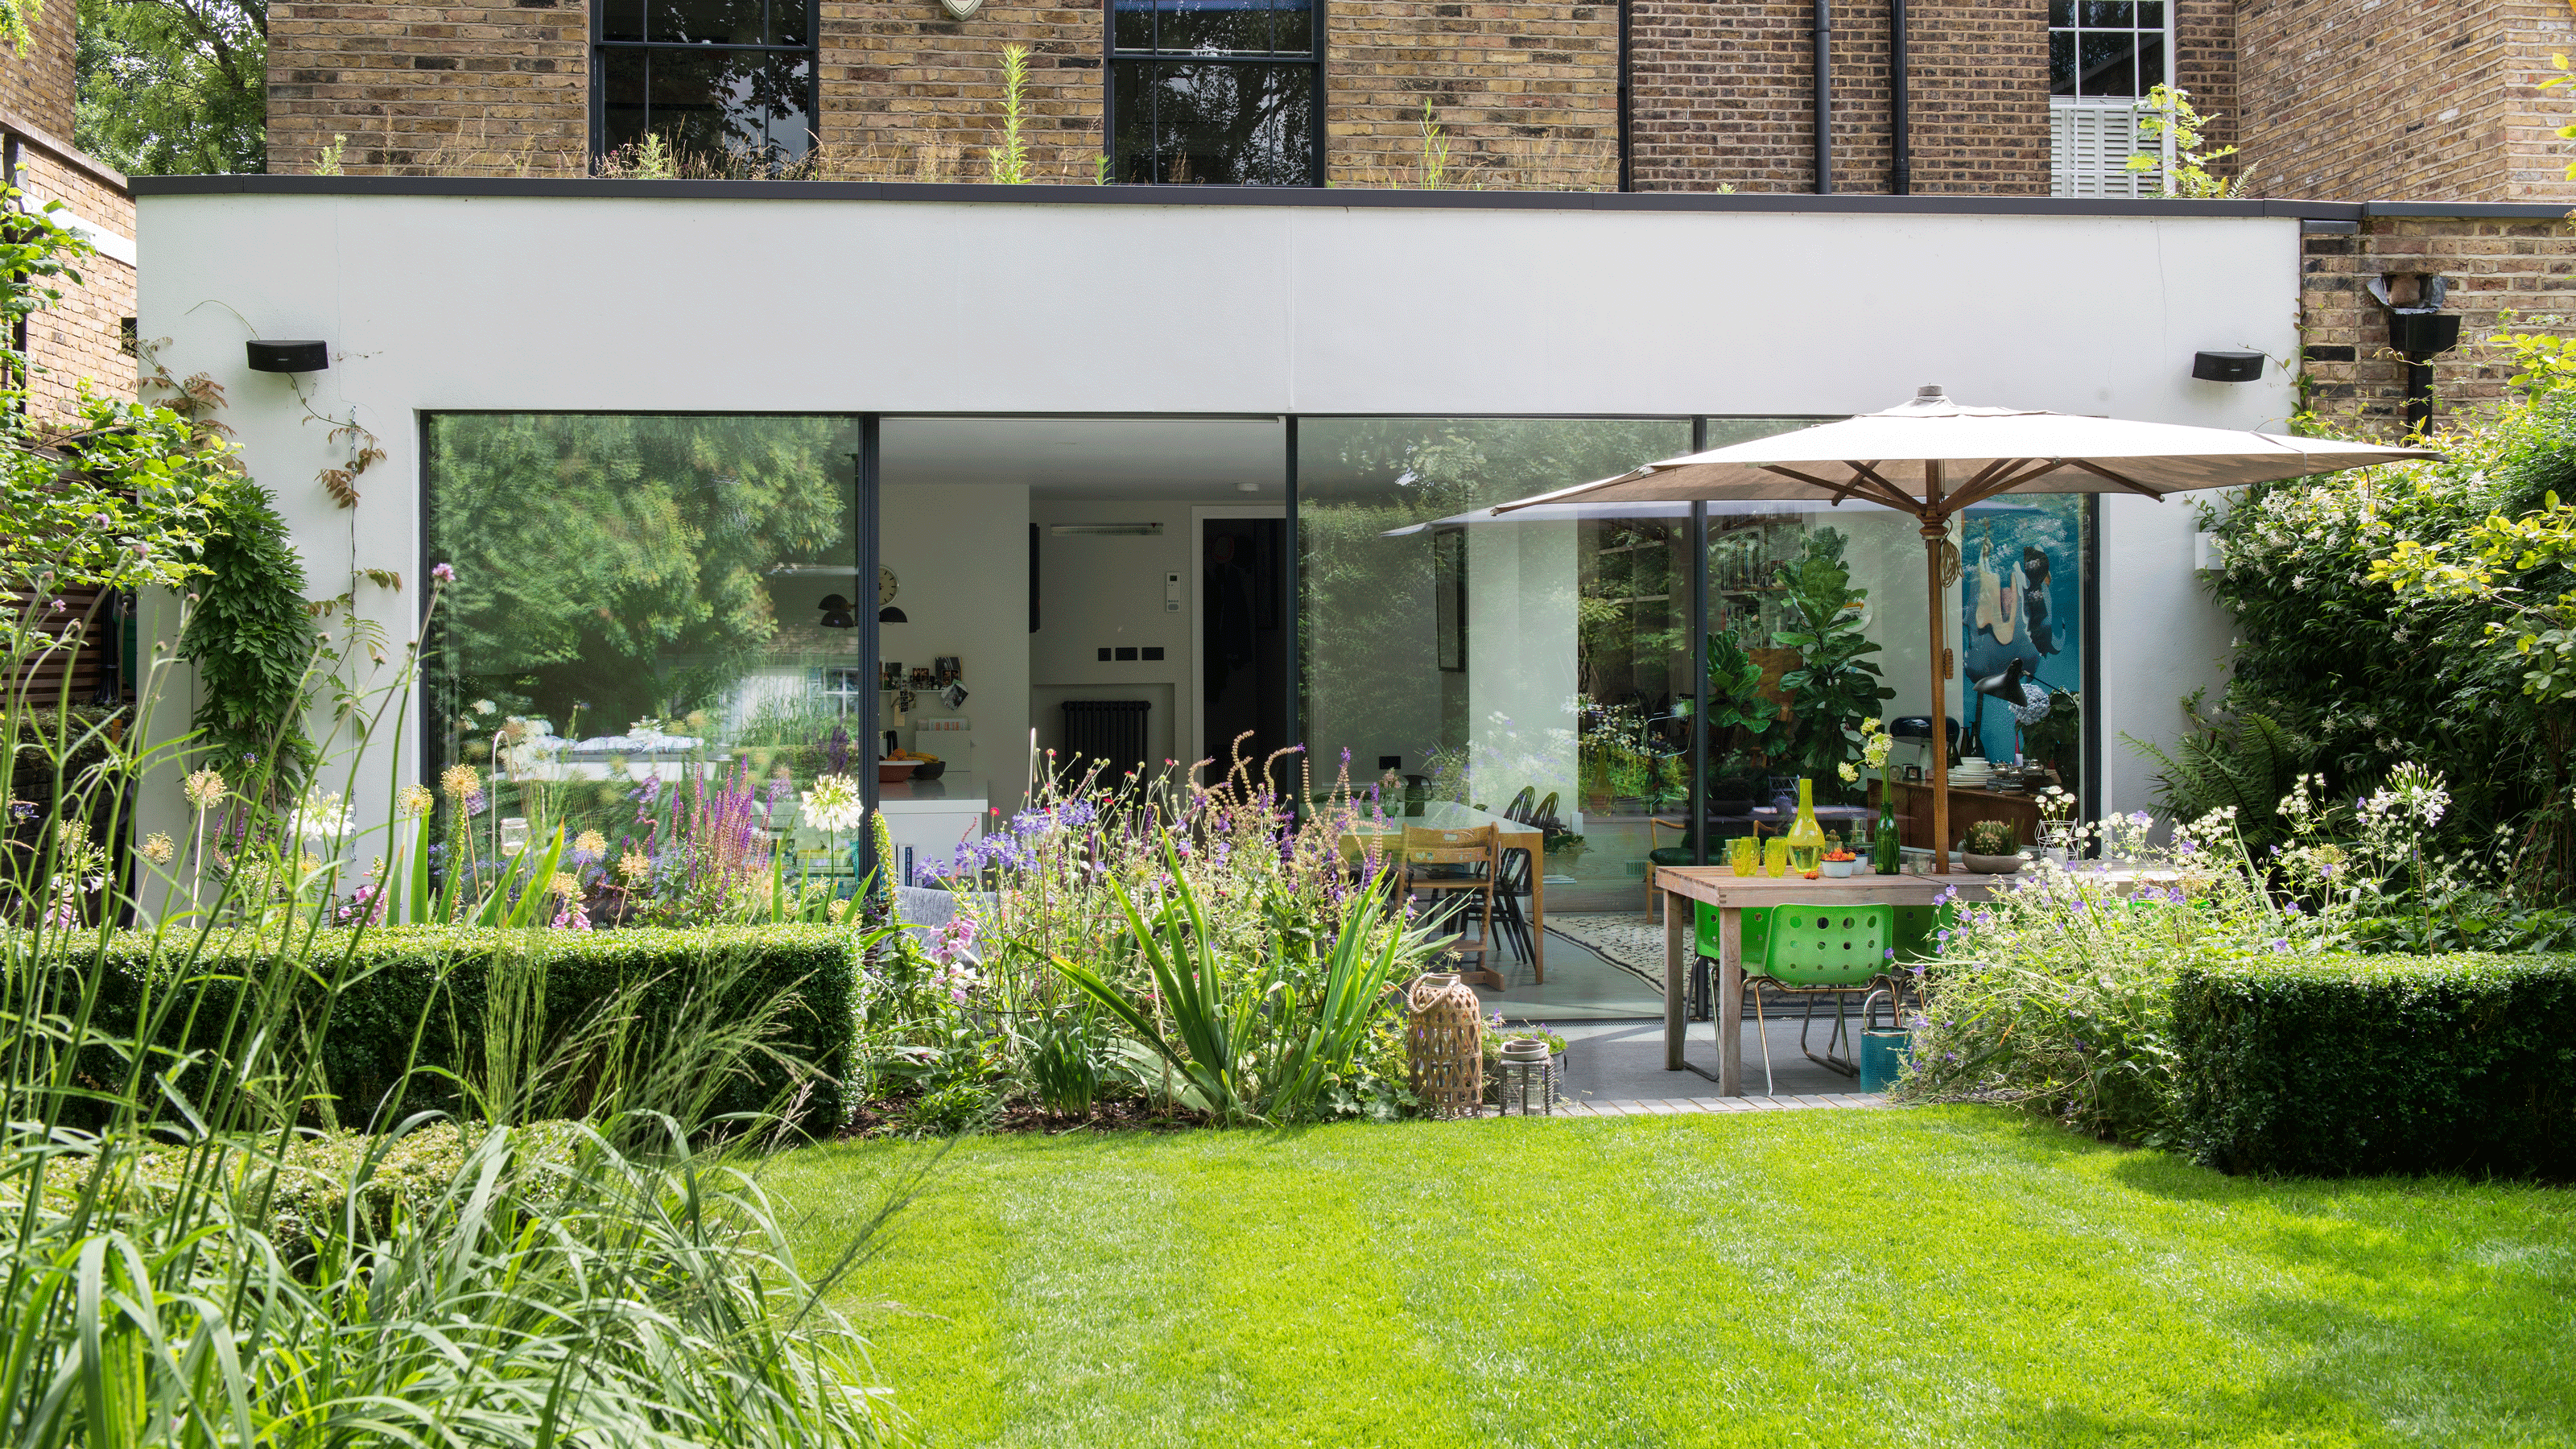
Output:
x=1341 y=198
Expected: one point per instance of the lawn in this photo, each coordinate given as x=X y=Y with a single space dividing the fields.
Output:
x=1949 y=1276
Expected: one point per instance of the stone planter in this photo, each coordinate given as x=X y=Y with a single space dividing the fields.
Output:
x=1990 y=864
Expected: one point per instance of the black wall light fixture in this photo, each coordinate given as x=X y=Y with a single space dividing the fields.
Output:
x=2227 y=366
x=2421 y=333
x=289 y=356
x=836 y=613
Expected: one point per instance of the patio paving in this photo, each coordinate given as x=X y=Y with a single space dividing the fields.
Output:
x=1623 y=1062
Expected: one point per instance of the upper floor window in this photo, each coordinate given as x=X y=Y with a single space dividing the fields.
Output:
x=727 y=84
x=2106 y=48
x=1216 y=92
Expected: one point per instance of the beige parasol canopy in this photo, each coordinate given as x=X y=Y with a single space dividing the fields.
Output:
x=1934 y=458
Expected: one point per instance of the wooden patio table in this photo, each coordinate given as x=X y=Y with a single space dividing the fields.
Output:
x=1686 y=885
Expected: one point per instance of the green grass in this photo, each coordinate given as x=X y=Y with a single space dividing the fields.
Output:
x=1951 y=1276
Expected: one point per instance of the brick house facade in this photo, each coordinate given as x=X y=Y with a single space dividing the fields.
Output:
x=1525 y=95
x=82 y=337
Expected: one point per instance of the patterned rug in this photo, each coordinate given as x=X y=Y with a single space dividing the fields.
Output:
x=1628 y=941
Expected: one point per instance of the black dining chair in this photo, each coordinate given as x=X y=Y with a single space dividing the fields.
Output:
x=1523 y=806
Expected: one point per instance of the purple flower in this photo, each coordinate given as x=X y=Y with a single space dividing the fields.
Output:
x=2279 y=946
x=444 y=573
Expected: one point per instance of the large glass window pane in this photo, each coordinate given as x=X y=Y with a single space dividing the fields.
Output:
x=2012 y=618
x=640 y=599
x=2061 y=63
x=1215 y=123
x=711 y=104
x=1490 y=657
x=2108 y=61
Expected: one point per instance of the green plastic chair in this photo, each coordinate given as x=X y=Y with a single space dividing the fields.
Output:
x=1810 y=949
x=1827 y=947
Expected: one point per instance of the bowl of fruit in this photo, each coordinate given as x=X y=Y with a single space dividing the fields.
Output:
x=1838 y=863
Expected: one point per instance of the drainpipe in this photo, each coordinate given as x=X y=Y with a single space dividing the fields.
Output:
x=1627 y=100
x=1824 y=97
x=1899 y=107
x=12 y=175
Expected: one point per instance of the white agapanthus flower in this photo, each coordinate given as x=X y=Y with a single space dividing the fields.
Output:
x=834 y=804
x=321 y=817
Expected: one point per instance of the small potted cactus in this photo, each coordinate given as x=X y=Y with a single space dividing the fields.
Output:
x=1991 y=847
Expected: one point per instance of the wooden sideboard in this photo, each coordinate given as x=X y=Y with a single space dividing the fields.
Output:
x=1914 y=811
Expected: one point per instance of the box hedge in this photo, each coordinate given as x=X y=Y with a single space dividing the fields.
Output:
x=432 y=980
x=2340 y=1065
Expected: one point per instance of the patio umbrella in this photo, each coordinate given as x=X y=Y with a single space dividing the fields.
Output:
x=1934 y=458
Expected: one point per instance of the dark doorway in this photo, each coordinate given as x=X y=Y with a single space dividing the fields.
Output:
x=1242 y=670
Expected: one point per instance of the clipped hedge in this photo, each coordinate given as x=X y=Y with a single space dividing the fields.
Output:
x=431 y=980
x=2345 y=1065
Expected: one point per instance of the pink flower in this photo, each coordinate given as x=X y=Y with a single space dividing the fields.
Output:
x=444 y=573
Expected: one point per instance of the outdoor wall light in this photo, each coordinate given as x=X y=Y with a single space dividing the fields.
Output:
x=289 y=356
x=836 y=613
x=2227 y=366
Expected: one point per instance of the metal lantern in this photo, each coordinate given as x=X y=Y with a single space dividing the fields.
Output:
x=1528 y=1083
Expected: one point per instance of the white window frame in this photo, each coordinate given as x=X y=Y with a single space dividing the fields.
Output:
x=2091 y=138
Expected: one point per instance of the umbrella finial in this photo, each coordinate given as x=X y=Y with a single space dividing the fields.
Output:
x=1931 y=392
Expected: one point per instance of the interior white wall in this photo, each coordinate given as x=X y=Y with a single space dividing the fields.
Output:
x=1099 y=591
x=960 y=557
x=530 y=302
x=1521 y=675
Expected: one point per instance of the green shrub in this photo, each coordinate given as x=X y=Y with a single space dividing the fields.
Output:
x=435 y=981
x=2341 y=1065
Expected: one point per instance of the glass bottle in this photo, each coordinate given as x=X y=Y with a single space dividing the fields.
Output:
x=1806 y=837
x=1886 y=852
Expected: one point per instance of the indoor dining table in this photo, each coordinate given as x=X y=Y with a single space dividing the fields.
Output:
x=1388 y=837
x=1686 y=887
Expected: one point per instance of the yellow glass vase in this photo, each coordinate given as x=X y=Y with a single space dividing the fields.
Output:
x=1806 y=837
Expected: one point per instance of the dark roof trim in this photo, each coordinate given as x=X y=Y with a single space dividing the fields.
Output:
x=2470 y=210
x=1352 y=198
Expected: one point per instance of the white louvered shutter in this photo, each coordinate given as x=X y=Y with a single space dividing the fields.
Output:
x=2089 y=148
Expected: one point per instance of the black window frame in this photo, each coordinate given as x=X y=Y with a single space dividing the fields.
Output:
x=2076 y=28
x=601 y=47
x=1311 y=61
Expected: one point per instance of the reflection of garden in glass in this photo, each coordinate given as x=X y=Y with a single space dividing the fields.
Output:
x=636 y=598
x=1489 y=695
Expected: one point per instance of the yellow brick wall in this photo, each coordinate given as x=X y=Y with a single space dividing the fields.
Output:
x=471 y=89
x=2525 y=270
x=1725 y=95
x=2414 y=101
x=1526 y=96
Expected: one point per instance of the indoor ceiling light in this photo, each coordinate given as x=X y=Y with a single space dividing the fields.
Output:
x=836 y=612
x=1247 y=487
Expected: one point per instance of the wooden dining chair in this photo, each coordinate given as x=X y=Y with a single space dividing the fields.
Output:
x=1453 y=872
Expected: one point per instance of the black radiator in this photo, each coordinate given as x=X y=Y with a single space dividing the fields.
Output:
x=1108 y=731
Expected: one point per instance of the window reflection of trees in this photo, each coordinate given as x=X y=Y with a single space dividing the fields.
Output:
x=627 y=564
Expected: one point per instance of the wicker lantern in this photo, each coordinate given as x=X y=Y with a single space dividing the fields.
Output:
x=1444 y=1045
x=1528 y=1078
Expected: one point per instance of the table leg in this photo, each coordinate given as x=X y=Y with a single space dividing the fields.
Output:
x=1677 y=949
x=1730 y=1001
x=1538 y=909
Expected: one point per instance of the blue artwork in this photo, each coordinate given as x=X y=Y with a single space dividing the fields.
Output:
x=2019 y=601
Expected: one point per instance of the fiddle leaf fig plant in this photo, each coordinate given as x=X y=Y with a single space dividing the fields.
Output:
x=1835 y=685
x=1735 y=698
